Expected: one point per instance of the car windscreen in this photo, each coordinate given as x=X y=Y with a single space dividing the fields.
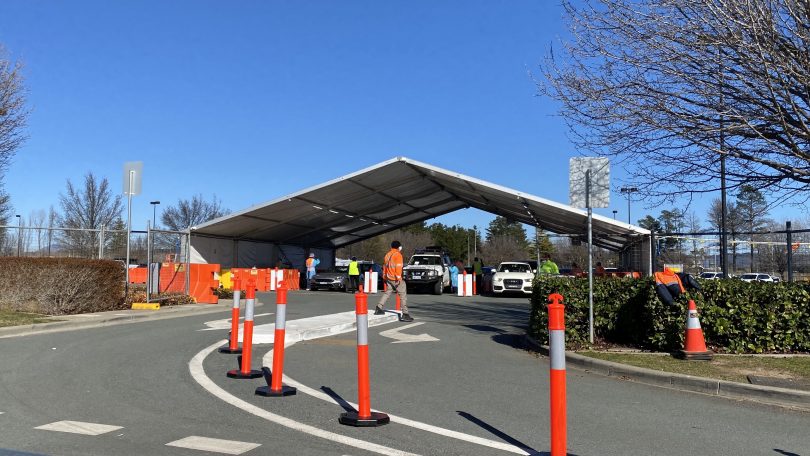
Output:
x=514 y=268
x=425 y=260
x=748 y=276
x=763 y=277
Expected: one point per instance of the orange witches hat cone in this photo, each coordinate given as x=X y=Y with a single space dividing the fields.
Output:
x=694 y=345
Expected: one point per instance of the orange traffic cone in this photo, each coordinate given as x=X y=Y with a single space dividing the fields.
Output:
x=694 y=345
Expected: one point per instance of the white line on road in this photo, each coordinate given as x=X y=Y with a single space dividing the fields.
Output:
x=79 y=427
x=214 y=445
x=267 y=360
x=195 y=367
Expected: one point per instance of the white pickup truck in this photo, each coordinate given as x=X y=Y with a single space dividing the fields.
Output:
x=428 y=269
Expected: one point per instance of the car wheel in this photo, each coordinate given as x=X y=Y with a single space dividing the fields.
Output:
x=438 y=288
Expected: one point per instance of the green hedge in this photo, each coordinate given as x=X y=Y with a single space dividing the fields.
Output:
x=61 y=286
x=736 y=316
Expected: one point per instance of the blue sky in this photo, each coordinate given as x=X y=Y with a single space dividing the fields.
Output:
x=253 y=100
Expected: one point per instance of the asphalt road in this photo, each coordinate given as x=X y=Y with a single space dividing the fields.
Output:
x=472 y=385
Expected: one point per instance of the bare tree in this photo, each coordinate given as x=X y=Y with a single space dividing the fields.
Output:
x=191 y=213
x=13 y=112
x=670 y=86
x=91 y=206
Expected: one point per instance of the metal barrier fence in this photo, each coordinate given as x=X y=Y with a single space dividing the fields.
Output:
x=782 y=254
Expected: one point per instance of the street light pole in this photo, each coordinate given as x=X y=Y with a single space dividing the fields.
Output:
x=154 y=212
x=19 y=234
x=628 y=191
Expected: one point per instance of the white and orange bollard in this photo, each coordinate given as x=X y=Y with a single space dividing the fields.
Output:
x=399 y=304
x=237 y=297
x=273 y=377
x=694 y=343
x=363 y=417
x=370 y=279
x=556 y=351
x=474 y=290
x=247 y=337
x=465 y=284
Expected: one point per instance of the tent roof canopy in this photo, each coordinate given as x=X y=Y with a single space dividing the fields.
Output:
x=397 y=193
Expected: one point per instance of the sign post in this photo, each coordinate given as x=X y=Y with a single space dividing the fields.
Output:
x=132 y=186
x=594 y=173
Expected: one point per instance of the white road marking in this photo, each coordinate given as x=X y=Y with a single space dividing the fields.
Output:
x=267 y=360
x=407 y=338
x=214 y=325
x=214 y=445
x=78 y=427
x=195 y=367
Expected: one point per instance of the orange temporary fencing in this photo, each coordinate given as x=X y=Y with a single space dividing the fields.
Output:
x=137 y=275
x=202 y=281
x=261 y=277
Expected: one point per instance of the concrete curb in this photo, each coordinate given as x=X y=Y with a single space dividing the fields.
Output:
x=114 y=317
x=783 y=397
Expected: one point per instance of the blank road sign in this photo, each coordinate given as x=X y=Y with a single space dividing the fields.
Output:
x=600 y=181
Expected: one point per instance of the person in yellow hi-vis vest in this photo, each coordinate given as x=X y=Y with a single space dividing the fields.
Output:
x=392 y=275
x=354 y=275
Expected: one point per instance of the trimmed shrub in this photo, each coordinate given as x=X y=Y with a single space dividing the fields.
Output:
x=736 y=316
x=61 y=286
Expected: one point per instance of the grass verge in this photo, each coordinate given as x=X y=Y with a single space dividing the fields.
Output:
x=735 y=368
x=11 y=318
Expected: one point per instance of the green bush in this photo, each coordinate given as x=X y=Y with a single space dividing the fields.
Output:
x=736 y=316
x=61 y=286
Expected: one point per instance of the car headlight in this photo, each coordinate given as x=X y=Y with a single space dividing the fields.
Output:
x=497 y=279
x=432 y=272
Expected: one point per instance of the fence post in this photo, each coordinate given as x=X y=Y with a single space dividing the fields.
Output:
x=101 y=243
x=789 y=252
x=148 y=261
x=188 y=258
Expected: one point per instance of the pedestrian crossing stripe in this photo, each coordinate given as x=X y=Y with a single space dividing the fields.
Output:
x=79 y=427
x=214 y=445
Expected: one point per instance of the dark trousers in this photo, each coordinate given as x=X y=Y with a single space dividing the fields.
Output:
x=354 y=282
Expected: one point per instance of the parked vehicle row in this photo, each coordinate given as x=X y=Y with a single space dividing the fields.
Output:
x=747 y=277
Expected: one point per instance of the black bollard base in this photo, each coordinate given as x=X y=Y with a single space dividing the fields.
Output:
x=284 y=391
x=354 y=419
x=228 y=349
x=694 y=356
x=237 y=373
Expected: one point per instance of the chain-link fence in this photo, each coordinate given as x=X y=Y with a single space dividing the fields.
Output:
x=71 y=242
x=779 y=253
x=169 y=263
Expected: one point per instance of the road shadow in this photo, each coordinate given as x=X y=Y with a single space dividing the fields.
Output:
x=502 y=435
x=342 y=402
x=503 y=338
x=786 y=453
x=479 y=314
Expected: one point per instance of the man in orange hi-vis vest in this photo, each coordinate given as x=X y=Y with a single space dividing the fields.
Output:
x=392 y=275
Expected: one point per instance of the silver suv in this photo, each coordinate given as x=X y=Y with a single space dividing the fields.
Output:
x=428 y=268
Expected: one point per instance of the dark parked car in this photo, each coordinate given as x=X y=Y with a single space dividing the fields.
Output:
x=335 y=279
